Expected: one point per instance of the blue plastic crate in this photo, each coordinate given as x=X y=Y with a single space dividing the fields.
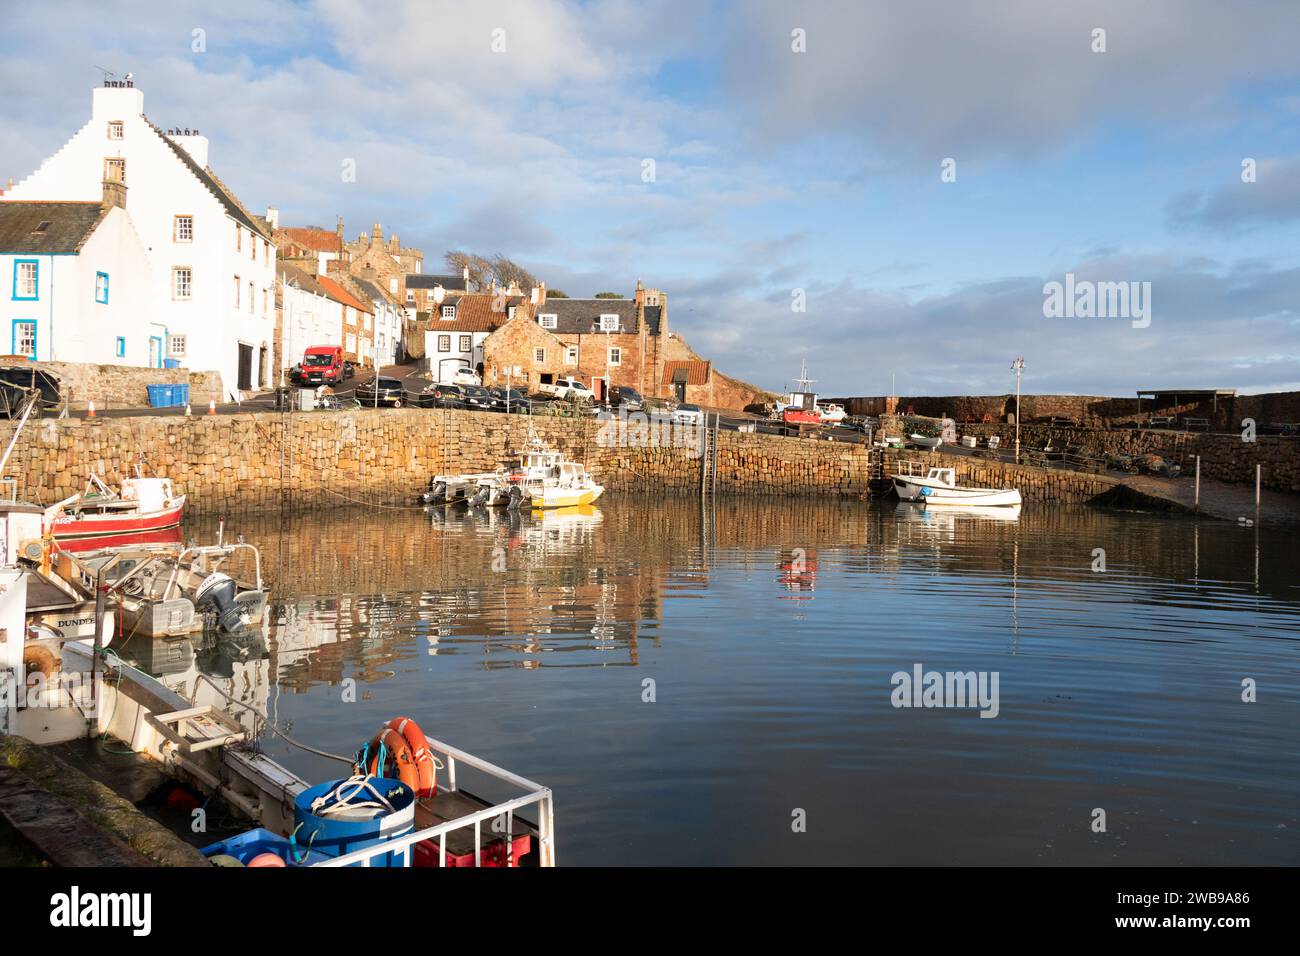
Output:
x=245 y=846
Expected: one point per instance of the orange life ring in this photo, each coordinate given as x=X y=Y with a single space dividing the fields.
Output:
x=425 y=766
x=406 y=756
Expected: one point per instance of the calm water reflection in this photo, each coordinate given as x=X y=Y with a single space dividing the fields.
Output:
x=771 y=631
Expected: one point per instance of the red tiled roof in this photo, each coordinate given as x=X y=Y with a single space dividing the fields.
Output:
x=321 y=240
x=697 y=371
x=474 y=313
x=341 y=294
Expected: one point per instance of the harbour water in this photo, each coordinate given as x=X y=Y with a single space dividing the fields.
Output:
x=715 y=685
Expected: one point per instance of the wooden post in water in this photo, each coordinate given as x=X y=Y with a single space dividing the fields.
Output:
x=1198 y=483
x=1258 y=469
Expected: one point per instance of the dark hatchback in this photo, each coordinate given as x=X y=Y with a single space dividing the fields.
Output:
x=480 y=399
x=17 y=381
x=443 y=396
x=381 y=391
x=510 y=400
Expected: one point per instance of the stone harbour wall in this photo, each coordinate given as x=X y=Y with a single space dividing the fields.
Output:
x=1224 y=457
x=123 y=386
x=306 y=460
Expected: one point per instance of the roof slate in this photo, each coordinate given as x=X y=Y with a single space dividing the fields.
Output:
x=580 y=316
x=70 y=225
x=418 y=280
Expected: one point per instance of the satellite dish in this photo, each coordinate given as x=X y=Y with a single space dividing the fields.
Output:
x=439 y=293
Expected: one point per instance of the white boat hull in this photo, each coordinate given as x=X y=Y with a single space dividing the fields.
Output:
x=973 y=497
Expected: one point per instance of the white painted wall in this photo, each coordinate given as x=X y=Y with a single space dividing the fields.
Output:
x=159 y=187
x=307 y=319
x=71 y=326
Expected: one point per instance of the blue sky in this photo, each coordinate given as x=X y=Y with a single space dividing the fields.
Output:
x=775 y=170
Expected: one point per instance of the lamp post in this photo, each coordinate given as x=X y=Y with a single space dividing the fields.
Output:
x=1017 y=366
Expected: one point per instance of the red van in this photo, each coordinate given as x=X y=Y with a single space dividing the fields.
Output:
x=321 y=365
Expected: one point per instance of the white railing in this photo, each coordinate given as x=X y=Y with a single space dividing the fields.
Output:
x=535 y=793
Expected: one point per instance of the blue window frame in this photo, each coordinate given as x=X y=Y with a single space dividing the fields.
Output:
x=23 y=338
x=155 y=351
x=101 y=288
x=27 y=278
x=120 y=350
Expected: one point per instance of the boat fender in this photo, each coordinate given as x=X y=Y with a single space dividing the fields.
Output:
x=927 y=491
x=39 y=659
x=266 y=859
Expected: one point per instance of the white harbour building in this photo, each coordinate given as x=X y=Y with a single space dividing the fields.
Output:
x=210 y=263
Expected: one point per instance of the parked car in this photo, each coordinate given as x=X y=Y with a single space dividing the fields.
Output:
x=381 y=390
x=510 y=400
x=688 y=415
x=443 y=396
x=478 y=398
x=566 y=388
x=17 y=381
x=625 y=396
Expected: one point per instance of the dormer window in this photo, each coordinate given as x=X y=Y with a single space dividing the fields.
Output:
x=609 y=323
x=448 y=312
x=115 y=129
x=547 y=320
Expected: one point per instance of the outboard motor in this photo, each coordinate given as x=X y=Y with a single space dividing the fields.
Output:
x=516 y=498
x=217 y=591
x=480 y=499
x=436 y=495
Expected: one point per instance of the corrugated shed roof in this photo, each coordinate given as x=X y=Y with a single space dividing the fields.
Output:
x=697 y=371
x=67 y=226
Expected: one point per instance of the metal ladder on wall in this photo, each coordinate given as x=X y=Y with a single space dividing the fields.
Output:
x=709 y=458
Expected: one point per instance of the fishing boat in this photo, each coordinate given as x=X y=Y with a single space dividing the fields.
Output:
x=100 y=516
x=550 y=480
x=938 y=486
x=831 y=413
x=972 y=497
x=401 y=800
x=801 y=411
x=925 y=442
x=164 y=592
x=542 y=477
x=909 y=481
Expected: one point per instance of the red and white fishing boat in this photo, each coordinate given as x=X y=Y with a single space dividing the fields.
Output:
x=144 y=509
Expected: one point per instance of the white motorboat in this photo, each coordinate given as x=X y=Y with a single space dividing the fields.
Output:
x=908 y=485
x=553 y=481
x=925 y=442
x=831 y=413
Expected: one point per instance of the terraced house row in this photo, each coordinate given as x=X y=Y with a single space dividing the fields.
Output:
x=125 y=248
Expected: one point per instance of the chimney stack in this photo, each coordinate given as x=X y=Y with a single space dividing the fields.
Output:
x=273 y=217
x=114 y=194
x=338 y=230
x=393 y=245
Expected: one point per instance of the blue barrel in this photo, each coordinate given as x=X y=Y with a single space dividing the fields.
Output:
x=333 y=835
x=159 y=395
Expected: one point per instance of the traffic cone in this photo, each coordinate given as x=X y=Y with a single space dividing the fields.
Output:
x=90 y=409
x=212 y=406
